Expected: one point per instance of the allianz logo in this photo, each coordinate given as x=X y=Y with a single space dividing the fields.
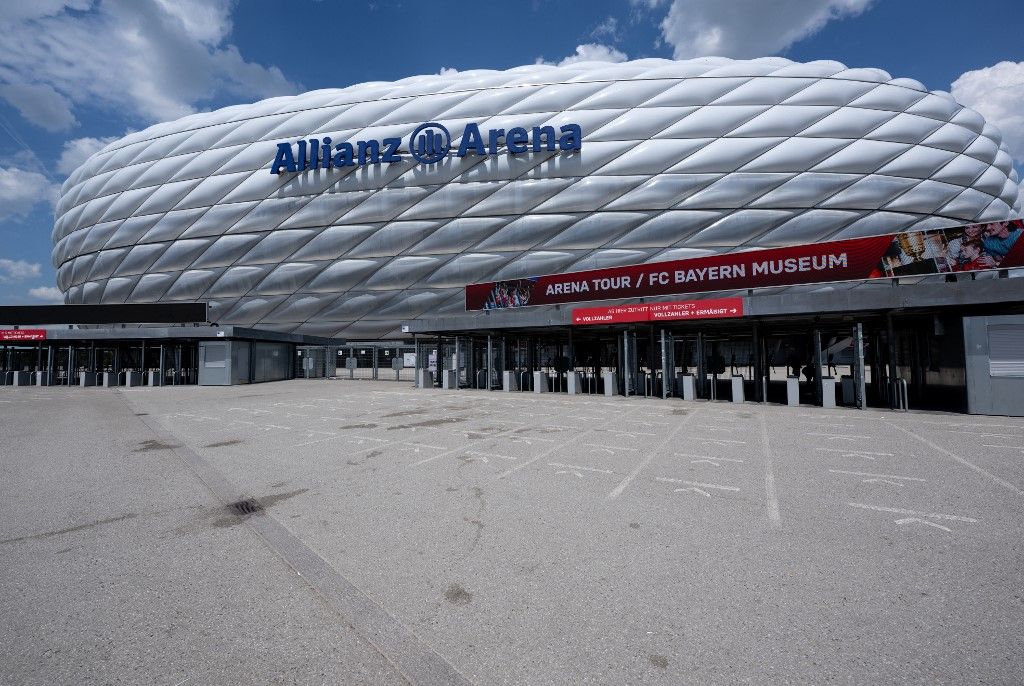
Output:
x=429 y=143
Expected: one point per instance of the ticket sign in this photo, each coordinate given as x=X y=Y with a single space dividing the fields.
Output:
x=16 y=335
x=719 y=308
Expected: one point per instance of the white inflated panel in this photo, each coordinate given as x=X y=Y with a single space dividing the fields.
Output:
x=679 y=159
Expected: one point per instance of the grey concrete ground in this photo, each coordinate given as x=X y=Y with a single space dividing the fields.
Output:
x=444 y=537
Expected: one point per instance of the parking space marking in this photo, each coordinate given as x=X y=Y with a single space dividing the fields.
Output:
x=610 y=448
x=578 y=467
x=697 y=484
x=481 y=453
x=852 y=452
x=771 y=492
x=839 y=437
x=953 y=456
x=914 y=513
x=547 y=453
x=624 y=484
x=877 y=476
x=915 y=520
x=717 y=441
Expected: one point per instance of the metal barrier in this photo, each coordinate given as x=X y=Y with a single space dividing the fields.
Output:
x=900 y=397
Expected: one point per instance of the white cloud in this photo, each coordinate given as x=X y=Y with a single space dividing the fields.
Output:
x=156 y=59
x=40 y=104
x=746 y=28
x=78 y=150
x=607 y=29
x=997 y=93
x=590 y=52
x=47 y=293
x=21 y=190
x=447 y=71
x=18 y=270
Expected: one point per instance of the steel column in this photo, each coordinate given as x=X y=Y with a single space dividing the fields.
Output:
x=819 y=391
x=858 y=360
x=664 y=366
x=490 y=362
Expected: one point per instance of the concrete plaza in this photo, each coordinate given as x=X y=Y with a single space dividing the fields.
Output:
x=366 y=532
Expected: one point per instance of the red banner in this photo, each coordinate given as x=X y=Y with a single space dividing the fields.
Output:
x=22 y=334
x=976 y=247
x=718 y=308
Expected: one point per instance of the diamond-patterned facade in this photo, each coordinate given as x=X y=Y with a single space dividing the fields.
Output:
x=679 y=159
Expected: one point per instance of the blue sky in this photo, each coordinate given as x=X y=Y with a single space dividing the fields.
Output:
x=77 y=73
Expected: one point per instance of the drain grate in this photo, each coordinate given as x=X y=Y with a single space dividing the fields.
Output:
x=246 y=507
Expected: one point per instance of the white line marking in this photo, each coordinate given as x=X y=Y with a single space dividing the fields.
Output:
x=1011 y=447
x=834 y=437
x=576 y=466
x=899 y=510
x=718 y=441
x=546 y=453
x=880 y=476
x=483 y=454
x=694 y=489
x=624 y=484
x=851 y=450
x=717 y=487
x=979 y=433
x=610 y=448
x=708 y=457
x=970 y=465
x=769 y=477
x=908 y=520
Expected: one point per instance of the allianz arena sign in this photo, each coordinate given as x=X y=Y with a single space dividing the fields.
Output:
x=429 y=143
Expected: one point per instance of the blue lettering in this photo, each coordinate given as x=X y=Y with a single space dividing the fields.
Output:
x=430 y=144
x=371 y=147
x=325 y=153
x=493 y=136
x=515 y=140
x=572 y=137
x=343 y=156
x=314 y=153
x=471 y=138
x=391 y=150
x=548 y=131
x=285 y=158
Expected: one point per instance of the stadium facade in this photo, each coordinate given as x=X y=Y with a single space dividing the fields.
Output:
x=350 y=212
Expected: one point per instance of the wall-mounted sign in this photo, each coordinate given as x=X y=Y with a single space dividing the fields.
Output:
x=976 y=247
x=719 y=308
x=429 y=143
x=22 y=335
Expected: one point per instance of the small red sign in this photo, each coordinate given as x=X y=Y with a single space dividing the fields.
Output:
x=22 y=334
x=719 y=308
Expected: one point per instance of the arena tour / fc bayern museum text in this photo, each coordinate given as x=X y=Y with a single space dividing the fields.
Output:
x=346 y=212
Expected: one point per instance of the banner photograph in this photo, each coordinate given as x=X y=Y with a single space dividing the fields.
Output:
x=976 y=247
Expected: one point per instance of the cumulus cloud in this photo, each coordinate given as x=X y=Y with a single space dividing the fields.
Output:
x=156 y=59
x=40 y=104
x=21 y=190
x=18 y=270
x=746 y=28
x=607 y=30
x=78 y=150
x=446 y=71
x=49 y=294
x=590 y=52
x=997 y=93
